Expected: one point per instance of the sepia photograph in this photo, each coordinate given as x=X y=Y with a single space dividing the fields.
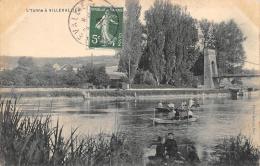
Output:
x=129 y=83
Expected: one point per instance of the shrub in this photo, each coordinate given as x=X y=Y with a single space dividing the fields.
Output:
x=144 y=77
x=236 y=151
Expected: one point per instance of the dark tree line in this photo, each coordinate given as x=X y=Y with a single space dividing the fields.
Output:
x=172 y=44
x=28 y=74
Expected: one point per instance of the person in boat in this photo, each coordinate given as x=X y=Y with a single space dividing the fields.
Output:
x=171 y=114
x=184 y=106
x=187 y=114
x=171 y=147
x=186 y=111
x=196 y=102
x=177 y=114
x=160 y=105
x=190 y=113
x=191 y=103
x=171 y=106
x=183 y=114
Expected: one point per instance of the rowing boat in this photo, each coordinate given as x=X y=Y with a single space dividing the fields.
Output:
x=168 y=121
x=167 y=109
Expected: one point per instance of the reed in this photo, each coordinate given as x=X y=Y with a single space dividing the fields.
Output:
x=236 y=151
x=30 y=140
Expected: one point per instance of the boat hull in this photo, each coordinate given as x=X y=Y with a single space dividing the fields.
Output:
x=167 y=121
x=163 y=109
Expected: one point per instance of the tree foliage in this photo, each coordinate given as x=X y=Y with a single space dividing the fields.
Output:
x=156 y=39
x=28 y=74
x=172 y=36
x=132 y=49
x=93 y=74
x=228 y=42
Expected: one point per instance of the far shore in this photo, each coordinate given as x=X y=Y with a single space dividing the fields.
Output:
x=93 y=94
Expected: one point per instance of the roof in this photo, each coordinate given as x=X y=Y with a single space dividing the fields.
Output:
x=114 y=74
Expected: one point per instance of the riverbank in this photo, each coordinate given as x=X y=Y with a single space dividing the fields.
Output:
x=119 y=148
x=111 y=93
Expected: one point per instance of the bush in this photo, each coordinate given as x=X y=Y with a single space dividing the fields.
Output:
x=144 y=77
x=236 y=151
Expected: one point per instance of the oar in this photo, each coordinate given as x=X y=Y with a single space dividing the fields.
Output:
x=153 y=116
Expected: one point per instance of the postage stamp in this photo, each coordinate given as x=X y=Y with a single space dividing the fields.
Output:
x=105 y=27
x=96 y=26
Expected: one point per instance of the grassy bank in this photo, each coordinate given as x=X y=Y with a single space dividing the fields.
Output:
x=93 y=93
x=32 y=141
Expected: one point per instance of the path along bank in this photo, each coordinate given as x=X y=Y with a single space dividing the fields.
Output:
x=112 y=93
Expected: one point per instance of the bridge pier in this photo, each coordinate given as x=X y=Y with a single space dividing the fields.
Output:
x=210 y=69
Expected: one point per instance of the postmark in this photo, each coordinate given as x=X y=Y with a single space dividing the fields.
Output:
x=78 y=21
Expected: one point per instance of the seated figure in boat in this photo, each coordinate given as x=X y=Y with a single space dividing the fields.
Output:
x=172 y=114
x=184 y=106
x=183 y=114
x=177 y=114
x=191 y=103
x=189 y=114
x=160 y=105
x=171 y=105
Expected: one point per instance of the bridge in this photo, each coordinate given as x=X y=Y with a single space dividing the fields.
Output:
x=236 y=75
x=212 y=78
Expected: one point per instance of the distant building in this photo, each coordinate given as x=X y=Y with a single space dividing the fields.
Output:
x=66 y=67
x=116 y=78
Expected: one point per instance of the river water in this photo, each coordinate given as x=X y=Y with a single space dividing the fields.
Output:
x=218 y=117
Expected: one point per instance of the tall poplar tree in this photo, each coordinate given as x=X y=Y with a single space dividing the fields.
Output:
x=155 y=24
x=172 y=36
x=132 y=49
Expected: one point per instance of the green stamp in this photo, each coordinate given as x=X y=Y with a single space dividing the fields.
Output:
x=105 y=29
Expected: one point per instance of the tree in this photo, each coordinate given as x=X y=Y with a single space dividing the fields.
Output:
x=47 y=75
x=180 y=50
x=23 y=73
x=93 y=74
x=85 y=74
x=68 y=77
x=25 y=63
x=171 y=51
x=100 y=76
x=156 y=39
x=144 y=77
x=228 y=42
x=229 y=47
x=208 y=33
x=132 y=49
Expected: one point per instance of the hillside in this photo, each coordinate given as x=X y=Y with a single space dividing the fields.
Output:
x=74 y=61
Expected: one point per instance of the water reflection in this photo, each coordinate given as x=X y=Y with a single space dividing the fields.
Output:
x=218 y=118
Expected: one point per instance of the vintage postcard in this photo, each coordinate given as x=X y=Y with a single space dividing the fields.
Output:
x=130 y=82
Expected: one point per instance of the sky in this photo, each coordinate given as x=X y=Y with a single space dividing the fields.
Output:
x=47 y=34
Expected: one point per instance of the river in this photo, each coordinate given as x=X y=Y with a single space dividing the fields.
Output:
x=218 y=117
